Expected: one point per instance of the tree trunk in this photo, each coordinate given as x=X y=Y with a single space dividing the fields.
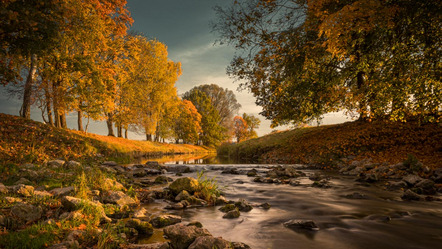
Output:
x=63 y=120
x=119 y=130
x=109 y=123
x=80 y=120
x=57 y=119
x=363 y=111
x=125 y=133
x=149 y=137
x=25 y=111
x=49 y=109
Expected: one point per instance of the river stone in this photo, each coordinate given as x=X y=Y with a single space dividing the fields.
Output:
x=427 y=186
x=185 y=183
x=301 y=224
x=210 y=242
x=23 y=190
x=143 y=227
x=393 y=185
x=26 y=212
x=119 y=198
x=240 y=245
x=23 y=181
x=181 y=237
x=165 y=220
x=72 y=203
x=3 y=188
x=227 y=208
x=112 y=184
x=183 y=195
x=412 y=179
x=356 y=195
x=72 y=164
x=60 y=192
x=252 y=172
x=411 y=196
x=162 y=179
x=232 y=214
x=265 y=205
x=56 y=164
x=220 y=200
x=141 y=213
x=195 y=223
x=42 y=194
x=139 y=173
x=294 y=182
x=243 y=205
x=110 y=163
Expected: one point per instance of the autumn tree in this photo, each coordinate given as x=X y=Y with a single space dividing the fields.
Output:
x=224 y=101
x=212 y=132
x=302 y=59
x=240 y=129
x=252 y=124
x=27 y=31
x=187 y=126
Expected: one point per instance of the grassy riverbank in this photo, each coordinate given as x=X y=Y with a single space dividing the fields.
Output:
x=327 y=145
x=27 y=141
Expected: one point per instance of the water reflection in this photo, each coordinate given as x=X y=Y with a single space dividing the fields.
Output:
x=209 y=158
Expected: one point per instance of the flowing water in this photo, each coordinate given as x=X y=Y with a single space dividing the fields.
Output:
x=382 y=220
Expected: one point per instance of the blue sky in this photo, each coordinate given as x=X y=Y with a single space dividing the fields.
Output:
x=183 y=25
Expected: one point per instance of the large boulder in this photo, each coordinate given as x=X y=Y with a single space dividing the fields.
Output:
x=181 y=237
x=119 y=198
x=26 y=212
x=165 y=220
x=209 y=242
x=185 y=183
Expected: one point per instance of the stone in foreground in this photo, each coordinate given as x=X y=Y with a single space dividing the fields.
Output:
x=181 y=237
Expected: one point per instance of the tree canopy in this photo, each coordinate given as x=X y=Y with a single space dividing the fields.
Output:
x=304 y=58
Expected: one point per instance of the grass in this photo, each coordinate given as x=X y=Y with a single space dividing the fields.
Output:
x=326 y=145
x=27 y=141
x=208 y=188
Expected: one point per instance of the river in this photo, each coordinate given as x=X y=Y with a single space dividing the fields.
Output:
x=382 y=220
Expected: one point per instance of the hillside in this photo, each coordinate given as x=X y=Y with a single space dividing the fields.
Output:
x=24 y=140
x=328 y=145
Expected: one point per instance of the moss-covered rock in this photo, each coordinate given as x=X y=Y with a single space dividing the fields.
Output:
x=143 y=227
x=185 y=183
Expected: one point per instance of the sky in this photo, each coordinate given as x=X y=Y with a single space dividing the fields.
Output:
x=184 y=26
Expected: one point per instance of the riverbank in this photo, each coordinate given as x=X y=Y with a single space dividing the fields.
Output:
x=27 y=141
x=334 y=146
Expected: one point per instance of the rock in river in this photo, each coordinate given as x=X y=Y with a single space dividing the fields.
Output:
x=185 y=183
x=209 y=242
x=181 y=237
x=301 y=224
x=165 y=220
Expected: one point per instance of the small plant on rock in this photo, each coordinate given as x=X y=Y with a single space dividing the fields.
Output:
x=208 y=188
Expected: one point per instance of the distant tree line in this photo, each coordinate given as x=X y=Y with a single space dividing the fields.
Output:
x=304 y=58
x=78 y=56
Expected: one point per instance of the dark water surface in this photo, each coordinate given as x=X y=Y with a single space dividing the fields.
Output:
x=343 y=222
